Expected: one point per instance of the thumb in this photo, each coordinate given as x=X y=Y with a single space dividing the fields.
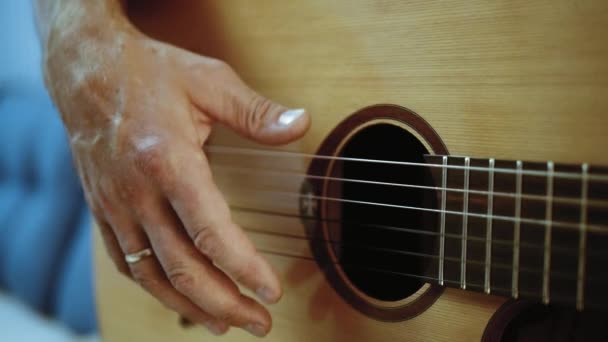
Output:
x=220 y=93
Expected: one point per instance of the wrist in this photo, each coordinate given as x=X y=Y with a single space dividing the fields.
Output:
x=82 y=49
x=69 y=23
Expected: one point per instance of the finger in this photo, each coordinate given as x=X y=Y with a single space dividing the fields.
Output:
x=219 y=92
x=149 y=275
x=112 y=246
x=206 y=217
x=196 y=277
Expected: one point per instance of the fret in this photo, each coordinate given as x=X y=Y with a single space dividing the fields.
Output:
x=582 y=248
x=488 y=261
x=548 y=229
x=465 y=217
x=516 y=230
x=444 y=182
x=531 y=244
x=528 y=234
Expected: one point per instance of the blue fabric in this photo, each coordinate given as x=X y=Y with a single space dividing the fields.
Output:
x=45 y=242
x=45 y=246
x=74 y=301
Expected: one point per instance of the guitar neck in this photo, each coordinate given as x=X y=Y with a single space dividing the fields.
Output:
x=523 y=229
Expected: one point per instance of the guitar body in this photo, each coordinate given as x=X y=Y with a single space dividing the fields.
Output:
x=516 y=80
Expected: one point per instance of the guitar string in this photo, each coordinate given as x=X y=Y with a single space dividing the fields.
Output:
x=553 y=174
x=559 y=199
x=393 y=251
x=219 y=149
x=402 y=252
x=529 y=294
x=507 y=243
x=326 y=264
x=591 y=228
x=533 y=197
x=443 y=259
x=249 y=171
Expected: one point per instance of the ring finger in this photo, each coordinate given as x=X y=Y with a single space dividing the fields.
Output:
x=147 y=272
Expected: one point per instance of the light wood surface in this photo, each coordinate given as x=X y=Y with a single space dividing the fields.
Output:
x=506 y=79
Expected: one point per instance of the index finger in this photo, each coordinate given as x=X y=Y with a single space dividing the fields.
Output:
x=206 y=216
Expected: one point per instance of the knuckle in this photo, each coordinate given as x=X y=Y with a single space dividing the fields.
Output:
x=211 y=68
x=219 y=66
x=253 y=117
x=206 y=241
x=181 y=279
x=244 y=270
x=145 y=280
x=150 y=160
x=154 y=163
x=228 y=311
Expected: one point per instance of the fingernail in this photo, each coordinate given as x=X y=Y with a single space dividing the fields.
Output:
x=266 y=294
x=256 y=329
x=215 y=328
x=288 y=117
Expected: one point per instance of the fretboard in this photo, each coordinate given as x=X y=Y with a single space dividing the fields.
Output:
x=523 y=229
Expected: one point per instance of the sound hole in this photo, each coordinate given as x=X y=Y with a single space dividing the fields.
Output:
x=383 y=251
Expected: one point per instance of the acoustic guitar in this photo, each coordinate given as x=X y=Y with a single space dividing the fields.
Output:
x=451 y=187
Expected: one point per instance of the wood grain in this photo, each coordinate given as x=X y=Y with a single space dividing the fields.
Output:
x=504 y=79
x=308 y=309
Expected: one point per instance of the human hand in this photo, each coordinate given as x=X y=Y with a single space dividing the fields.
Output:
x=138 y=112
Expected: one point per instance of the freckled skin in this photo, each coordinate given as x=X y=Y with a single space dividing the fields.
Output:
x=137 y=112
